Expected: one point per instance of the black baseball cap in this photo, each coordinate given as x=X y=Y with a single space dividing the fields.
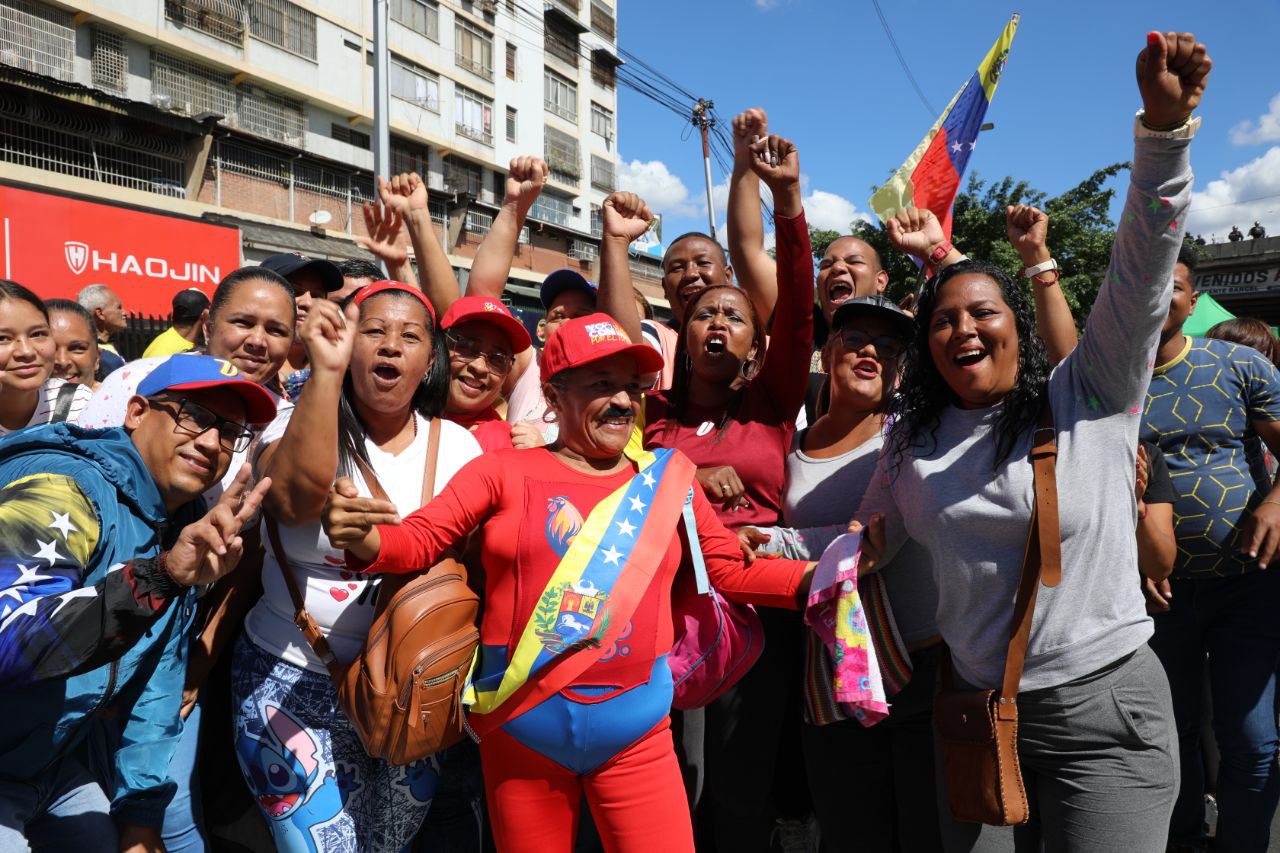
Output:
x=288 y=263
x=188 y=305
x=874 y=306
x=559 y=281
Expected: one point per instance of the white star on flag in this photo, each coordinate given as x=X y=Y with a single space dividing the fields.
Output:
x=27 y=609
x=62 y=522
x=971 y=145
x=612 y=555
x=646 y=478
x=626 y=528
x=955 y=146
x=48 y=551
x=637 y=505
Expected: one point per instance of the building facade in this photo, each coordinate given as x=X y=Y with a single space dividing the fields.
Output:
x=1243 y=276
x=258 y=114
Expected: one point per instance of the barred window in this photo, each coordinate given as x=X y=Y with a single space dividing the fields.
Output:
x=285 y=25
x=512 y=121
x=604 y=68
x=560 y=150
x=560 y=95
x=561 y=43
x=602 y=19
x=602 y=173
x=583 y=250
x=110 y=61
x=461 y=176
x=601 y=121
x=185 y=87
x=479 y=223
x=421 y=16
x=472 y=115
x=221 y=19
x=411 y=83
x=551 y=208
x=511 y=61
x=408 y=157
x=597 y=221
x=272 y=116
x=351 y=136
x=473 y=49
x=37 y=38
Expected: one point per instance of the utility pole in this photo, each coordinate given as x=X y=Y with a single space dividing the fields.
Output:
x=381 y=83
x=703 y=120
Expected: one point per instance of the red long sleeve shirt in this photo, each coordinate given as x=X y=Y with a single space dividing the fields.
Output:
x=758 y=436
x=526 y=506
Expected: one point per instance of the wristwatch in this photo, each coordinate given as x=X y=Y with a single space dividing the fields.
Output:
x=1187 y=130
x=1045 y=266
x=940 y=251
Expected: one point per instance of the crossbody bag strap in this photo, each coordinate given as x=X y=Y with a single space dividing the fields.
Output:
x=310 y=630
x=62 y=403
x=1042 y=558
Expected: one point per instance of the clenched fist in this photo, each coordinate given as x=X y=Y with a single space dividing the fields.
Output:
x=748 y=127
x=915 y=231
x=1172 y=70
x=526 y=176
x=1028 y=231
x=626 y=216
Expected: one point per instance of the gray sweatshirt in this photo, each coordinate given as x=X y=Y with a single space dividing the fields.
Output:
x=972 y=515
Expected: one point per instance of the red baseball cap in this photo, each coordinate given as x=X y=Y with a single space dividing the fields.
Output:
x=487 y=310
x=583 y=340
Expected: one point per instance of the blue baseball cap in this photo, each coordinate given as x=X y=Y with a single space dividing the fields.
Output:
x=185 y=372
x=559 y=281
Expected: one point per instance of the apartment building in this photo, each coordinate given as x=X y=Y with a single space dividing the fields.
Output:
x=256 y=115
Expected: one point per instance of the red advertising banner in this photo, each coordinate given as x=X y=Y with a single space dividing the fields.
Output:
x=57 y=245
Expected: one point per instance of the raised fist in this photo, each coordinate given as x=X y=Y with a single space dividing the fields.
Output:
x=776 y=161
x=1172 y=70
x=1028 y=230
x=526 y=177
x=328 y=334
x=748 y=127
x=915 y=231
x=626 y=215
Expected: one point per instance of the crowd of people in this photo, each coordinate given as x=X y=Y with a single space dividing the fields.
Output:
x=196 y=544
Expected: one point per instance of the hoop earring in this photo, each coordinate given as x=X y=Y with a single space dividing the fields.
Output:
x=549 y=417
x=688 y=364
x=749 y=369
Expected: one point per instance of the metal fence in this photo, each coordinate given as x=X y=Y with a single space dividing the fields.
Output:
x=138 y=333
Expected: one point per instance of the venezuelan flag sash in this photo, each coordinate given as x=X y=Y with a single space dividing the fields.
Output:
x=592 y=593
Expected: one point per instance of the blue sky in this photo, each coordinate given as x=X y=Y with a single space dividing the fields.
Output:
x=826 y=74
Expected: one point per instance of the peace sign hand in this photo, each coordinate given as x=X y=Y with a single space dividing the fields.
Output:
x=212 y=546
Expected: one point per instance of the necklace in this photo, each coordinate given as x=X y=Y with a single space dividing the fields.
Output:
x=705 y=427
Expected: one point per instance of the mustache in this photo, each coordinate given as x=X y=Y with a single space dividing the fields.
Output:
x=617 y=412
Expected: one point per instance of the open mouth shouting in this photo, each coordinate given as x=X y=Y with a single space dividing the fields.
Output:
x=839 y=290
x=716 y=344
x=866 y=368
x=970 y=357
x=386 y=375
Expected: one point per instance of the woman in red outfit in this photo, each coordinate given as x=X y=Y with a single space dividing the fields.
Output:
x=483 y=338
x=577 y=544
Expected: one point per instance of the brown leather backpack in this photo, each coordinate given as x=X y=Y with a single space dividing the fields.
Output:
x=402 y=693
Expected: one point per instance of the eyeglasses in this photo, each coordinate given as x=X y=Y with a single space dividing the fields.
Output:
x=886 y=346
x=463 y=349
x=194 y=419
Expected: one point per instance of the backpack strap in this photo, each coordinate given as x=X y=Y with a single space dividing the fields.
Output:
x=695 y=546
x=62 y=403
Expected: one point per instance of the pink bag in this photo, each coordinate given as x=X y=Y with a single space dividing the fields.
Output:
x=717 y=640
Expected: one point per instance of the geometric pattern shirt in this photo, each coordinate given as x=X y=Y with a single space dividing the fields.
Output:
x=1199 y=411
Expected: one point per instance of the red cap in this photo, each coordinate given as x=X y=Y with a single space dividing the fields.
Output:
x=583 y=340
x=487 y=310
x=383 y=286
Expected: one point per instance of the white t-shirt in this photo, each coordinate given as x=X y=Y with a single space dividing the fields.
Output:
x=340 y=601
x=49 y=400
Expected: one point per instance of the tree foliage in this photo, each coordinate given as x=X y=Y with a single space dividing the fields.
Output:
x=1080 y=233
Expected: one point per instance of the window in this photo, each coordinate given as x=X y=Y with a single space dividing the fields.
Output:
x=561 y=43
x=270 y=115
x=473 y=49
x=511 y=124
x=551 y=208
x=461 y=176
x=602 y=121
x=602 y=173
x=285 y=25
x=472 y=115
x=37 y=38
x=559 y=95
x=408 y=157
x=597 y=221
x=479 y=223
x=186 y=87
x=602 y=19
x=221 y=19
x=511 y=61
x=357 y=138
x=417 y=85
x=583 y=250
x=421 y=16
x=604 y=68
x=110 y=62
x=560 y=150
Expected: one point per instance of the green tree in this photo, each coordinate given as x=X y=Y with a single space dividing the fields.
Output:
x=1080 y=233
x=821 y=238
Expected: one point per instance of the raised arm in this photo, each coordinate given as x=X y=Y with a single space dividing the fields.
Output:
x=626 y=217
x=916 y=231
x=407 y=192
x=526 y=177
x=1112 y=363
x=756 y=272
x=1028 y=231
x=383 y=219
x=304 y=461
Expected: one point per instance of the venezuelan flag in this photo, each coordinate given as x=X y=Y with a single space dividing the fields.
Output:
x=931 y=176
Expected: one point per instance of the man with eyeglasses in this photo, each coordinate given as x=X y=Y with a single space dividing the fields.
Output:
x=483 y=338
x=103 y=543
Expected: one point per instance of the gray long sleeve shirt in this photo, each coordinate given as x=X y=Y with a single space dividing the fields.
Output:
x=972 y=515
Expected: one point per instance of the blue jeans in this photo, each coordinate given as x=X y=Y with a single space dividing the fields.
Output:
x=183 y=820
x=1234 y=622
x=65 y=809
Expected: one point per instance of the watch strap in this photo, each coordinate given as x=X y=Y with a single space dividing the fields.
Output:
x=1185 y=131
x=940 y=251
x=1042 y=267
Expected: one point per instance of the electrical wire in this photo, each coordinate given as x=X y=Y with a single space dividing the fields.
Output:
x=902 y=60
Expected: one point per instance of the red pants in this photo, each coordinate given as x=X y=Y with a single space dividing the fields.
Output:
x=637 y=797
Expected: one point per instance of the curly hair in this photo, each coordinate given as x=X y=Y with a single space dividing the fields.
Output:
x=924 y=394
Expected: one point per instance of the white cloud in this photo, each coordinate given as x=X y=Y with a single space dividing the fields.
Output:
x=1238 y=197
x=653 y=181
x=1267 y=128
x=830 y=211
x=766 y=5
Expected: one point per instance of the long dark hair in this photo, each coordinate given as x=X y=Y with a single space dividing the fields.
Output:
x=678 y=396
x=12 y=290
x=924 y=394
x=429 y=397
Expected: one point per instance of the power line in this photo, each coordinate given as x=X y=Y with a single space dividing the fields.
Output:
x=902 y=60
